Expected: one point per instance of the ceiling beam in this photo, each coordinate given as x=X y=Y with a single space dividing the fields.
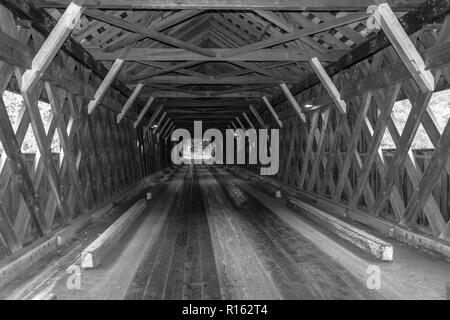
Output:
x=160 y=54
x=137 y=28
x=204 y=94
x=298 y=34
x=310 y=5
x=429 y=11
x=212 y=81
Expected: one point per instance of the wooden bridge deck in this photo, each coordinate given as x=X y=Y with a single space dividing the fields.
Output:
x=206 y=236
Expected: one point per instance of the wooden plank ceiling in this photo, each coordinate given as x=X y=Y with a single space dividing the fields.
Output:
x=211 y=60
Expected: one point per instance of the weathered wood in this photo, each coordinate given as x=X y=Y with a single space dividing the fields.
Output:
x=44 y=24
x=51 y=46
x=374 y=246
x=328 y=84
x=292 y=101
x=428 y=11
x=158 y=54
x=404 y=47
x=130 y=102
x=248 y=121
x=310 y=5
x=96 y=14
x=258 y=116
x=12 y=150
x=14 y=52
x=153 y=118
x=93 y=255
x=143 y=111
x=106 y=83
x=272 y=111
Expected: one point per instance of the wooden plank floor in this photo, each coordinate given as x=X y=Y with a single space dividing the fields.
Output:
x=218 y=242
x=209 y=235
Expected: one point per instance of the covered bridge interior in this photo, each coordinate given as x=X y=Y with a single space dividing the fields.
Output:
x=351 y=85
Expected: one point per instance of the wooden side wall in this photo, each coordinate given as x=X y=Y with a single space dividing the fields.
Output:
x=99 y=158
x=339 y=156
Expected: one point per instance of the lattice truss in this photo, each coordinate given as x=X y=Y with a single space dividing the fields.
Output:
x=99 y=158
x=124 y=79
x=340 y=156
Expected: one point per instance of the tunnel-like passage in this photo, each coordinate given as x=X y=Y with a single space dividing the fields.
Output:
x=236 y=149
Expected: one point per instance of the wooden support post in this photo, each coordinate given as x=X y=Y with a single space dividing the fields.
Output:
x=51 y=46
x=257 y=116
x=408 y=53
x=328 y=84
x=248 y=120
x=240 y=123
x=272 y=111
x=106 y=83
x=292 y=101
x=130 y=102
x=143 y=112
x=153 y=118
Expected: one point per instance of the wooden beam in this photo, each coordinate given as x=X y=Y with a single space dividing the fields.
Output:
x=404 y=46
x=230 y=80
x=328 y=85
x=93 y=255
x=427 y=12
x=163 y=128
x=158 y=25
x=51 y=46
x=130 y=102
x=153 y=118
x=143 y=111
x=292 y=101
x=104 y=86
x=272 y=111
x=149 y=74
x=234 y=126
x=294 y=5
x=204 y=95
x=248 y=120
x=158 y=124
x=44 y=23
x=257 y=116
x=167 y=131
x=430 y=178
x=240 y=123
x=121 y=23
x=170 y=54
x=324 y=26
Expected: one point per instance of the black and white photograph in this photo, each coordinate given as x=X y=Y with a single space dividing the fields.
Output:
x=229 y=157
